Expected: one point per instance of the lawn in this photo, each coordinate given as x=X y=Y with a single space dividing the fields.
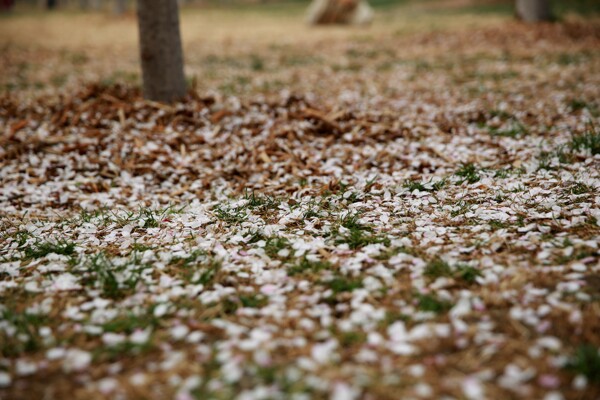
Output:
x=406 y=210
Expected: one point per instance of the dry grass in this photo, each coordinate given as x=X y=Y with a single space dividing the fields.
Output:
x=407 y=99
x=276 y=25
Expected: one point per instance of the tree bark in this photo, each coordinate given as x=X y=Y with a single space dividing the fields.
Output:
x=120 y=7
x=534 y=10
x=160 y=50
x=6 y=5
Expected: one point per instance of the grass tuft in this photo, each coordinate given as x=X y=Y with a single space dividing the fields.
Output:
x=340 y=284
x=439 y=268
x=306 y=266
x=586 y=362
x=588 y=141
x=430 y=303
x=468 y=173
x=424 y=186
x=42 y=249
x=19 y=332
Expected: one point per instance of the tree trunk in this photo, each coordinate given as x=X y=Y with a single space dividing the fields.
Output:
x=534 y=10
x=94 y=5
x=354 y=12
x=160 y=50
x=120 y=7
x=6 y=5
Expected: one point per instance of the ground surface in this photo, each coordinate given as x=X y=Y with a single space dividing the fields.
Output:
x=409 y=210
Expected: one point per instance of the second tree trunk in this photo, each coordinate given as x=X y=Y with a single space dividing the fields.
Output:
x=534 y=10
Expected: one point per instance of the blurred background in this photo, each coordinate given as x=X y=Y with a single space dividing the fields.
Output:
x=237 y=47
x=119 y=6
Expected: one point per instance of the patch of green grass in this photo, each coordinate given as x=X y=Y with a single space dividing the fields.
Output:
x=388 y=253
x=351 y=222
x=303 y=182
x=504 y=115
x=130 y=322
x=581 y=7
x=253 y=300
x=499 y=198
x=578 y=253
x=504 y=173
x=357 y=239
x=255 y=236
x=468 y=172
x=580 y=188
x=358 y=234
x=497 y=224
x=586 y=362
x=261 y=202
x=546 y=158
x=340 y=284
x=370 y=183
x=588 y=141
x=313 y=209
x=299 y=60
x=350 y=67
x=275 y=244
x=192 y=259
x=117 y=351
x=518 y=189
x=462 y=207
x=430 y=303
x=352 y=338
x=114 y=281
x=305 y=266
x=78 y=58
x=198 y=268
x=25 y=338
x=513 y=130
x=569 y=58
x=578 y=105
x=467 y=273
x=231 y=304
x=102 y=271
x=144 y=218
x=208 y=275
x=42 y=249
x=21 y=237
x=149 y=218
x=437 y=268
x=493 y=76
x=58 y=80
x=234 y=215
x=140 y=247
x=257 y=63
x=86 y=216
x=392 y=316
x=424 y=186
x=311 y=213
